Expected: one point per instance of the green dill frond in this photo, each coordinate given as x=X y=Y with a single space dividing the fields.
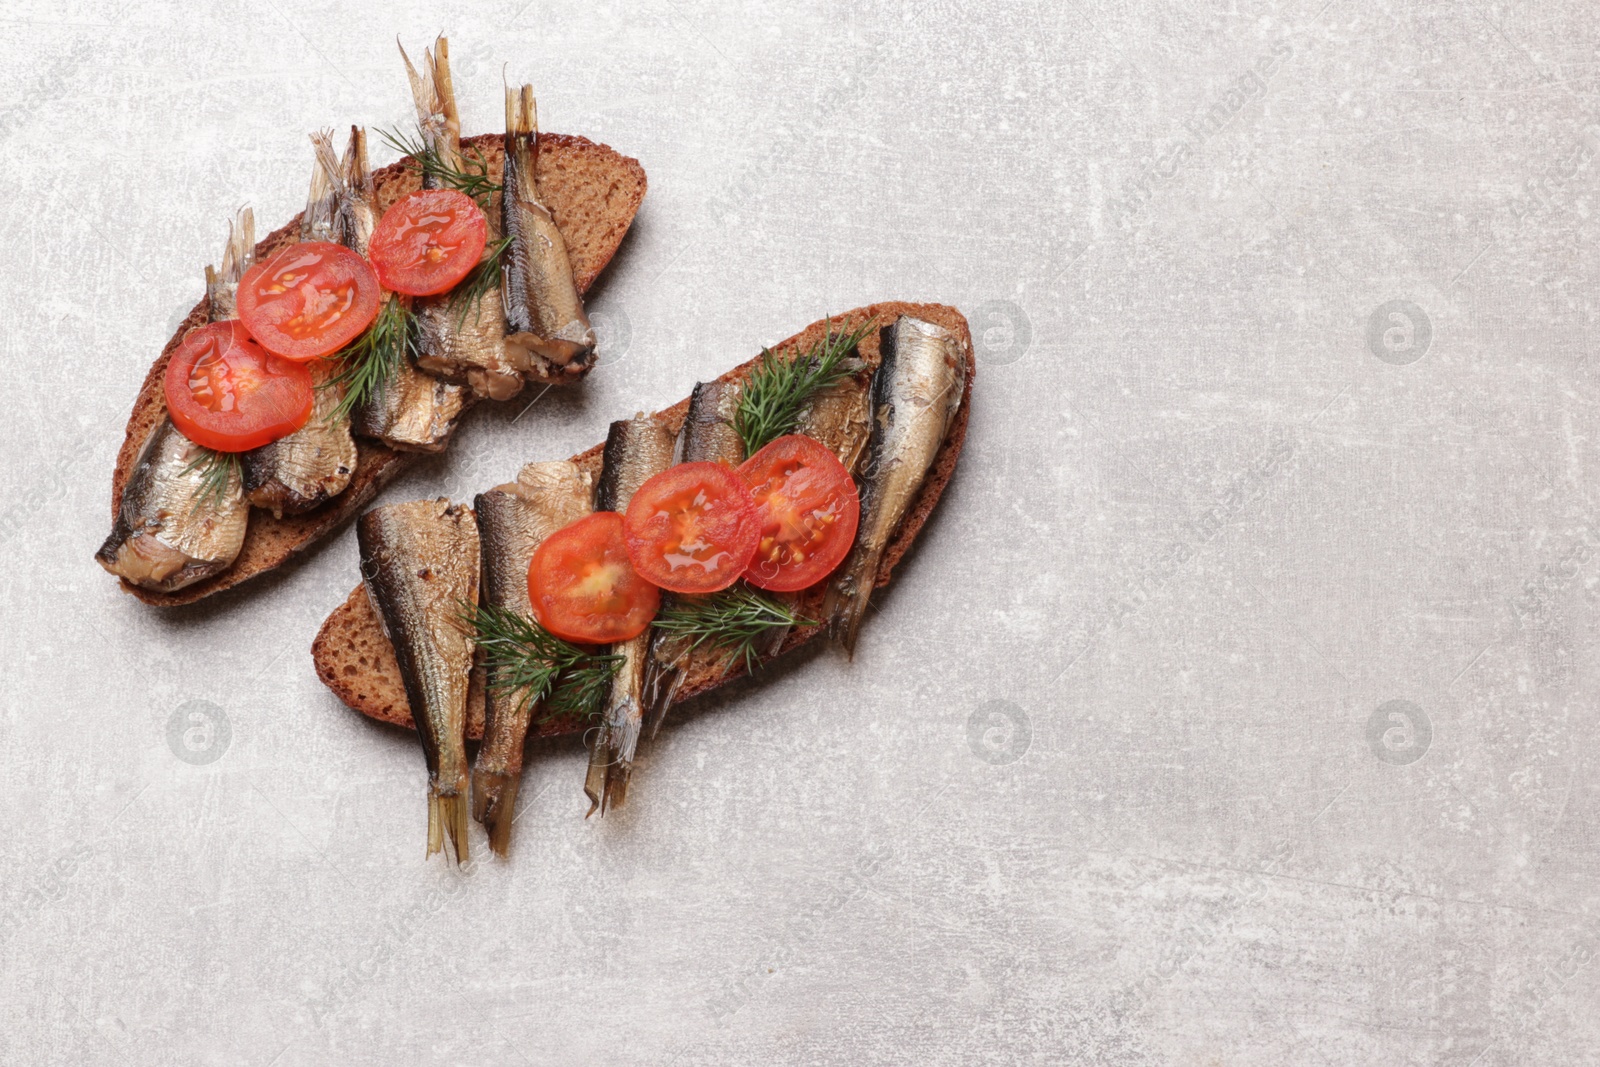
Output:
x=777 y=390
x=474 y=180
x=524 y=658
x=372 y=360
x=467 y=297
x=735 y=622
x=218 y=473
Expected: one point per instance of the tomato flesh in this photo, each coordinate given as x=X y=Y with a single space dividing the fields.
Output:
x=227 y=393
x=428 y=241
x=309 y=300
x=583 y=588
x=691 y=528
x=808 y=510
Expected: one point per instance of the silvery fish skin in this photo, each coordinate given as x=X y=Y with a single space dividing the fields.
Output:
x=311 y=466
x=707 y=436
x=915 y=395
x=419 y=561
x=169 y=531
x=462 y=340
x=636 y=450
x=513 y=519
x=840 y=416
x=548 y=333
x=415 y=411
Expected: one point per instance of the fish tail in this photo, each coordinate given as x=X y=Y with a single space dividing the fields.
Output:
x=521 y=143
x=494 y=805
x=445 y=87
x=846 y=603
x=595 y=781
x=663 y=673
x=447 y=814
x=617 y=785
x=316 y=224
x=611 y=761
x=328 y=168
x=434 y=96
x=661 y=683
x=222 y=283
x=353 y=169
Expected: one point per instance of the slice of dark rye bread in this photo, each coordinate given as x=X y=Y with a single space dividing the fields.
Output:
x=356 y=661
x=594 y=193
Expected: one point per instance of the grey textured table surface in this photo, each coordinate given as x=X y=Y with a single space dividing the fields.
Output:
x=1237 y=707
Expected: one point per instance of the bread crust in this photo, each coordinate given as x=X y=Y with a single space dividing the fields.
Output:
x=355 y=660
x=594 y=193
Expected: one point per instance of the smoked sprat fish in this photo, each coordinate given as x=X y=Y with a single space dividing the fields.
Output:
x=915 y=395
x=636 y=450
x=708 y=435
x=548 y=332
x=314 y=464
x=513 y=519
x=458 y=339
x=414 y=411
x=175 y=525
x=420 y=564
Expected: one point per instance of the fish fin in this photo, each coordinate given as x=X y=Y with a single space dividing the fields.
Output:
x=494 y=804
x=447 y=813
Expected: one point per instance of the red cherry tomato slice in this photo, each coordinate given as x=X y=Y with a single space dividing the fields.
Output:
x=583 y=588
x=691 y=528
x=808 y=509
x=227 y=393
x=428 y=241
x=309 y=300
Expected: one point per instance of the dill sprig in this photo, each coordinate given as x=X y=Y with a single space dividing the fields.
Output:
x=734 y=622
x=777 y=389
x=524 y=658
x=218 y=470
x=372 y=360
x=467 y=296
x=474 y=180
